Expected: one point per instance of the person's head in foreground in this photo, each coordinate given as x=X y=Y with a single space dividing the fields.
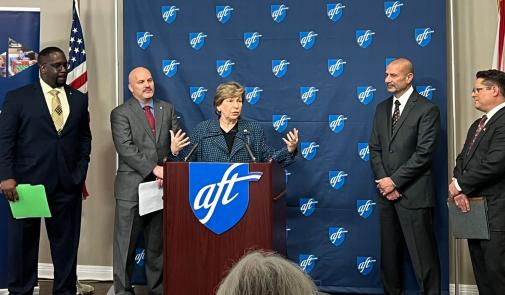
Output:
x=266 y=273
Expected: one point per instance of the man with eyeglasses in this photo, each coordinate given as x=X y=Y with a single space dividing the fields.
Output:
x=479 y=171
x=45 y=139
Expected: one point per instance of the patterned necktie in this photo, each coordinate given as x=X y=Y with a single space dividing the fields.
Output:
x=477 y=132
x=396 y=115
x=150 y=119
x=56 y=110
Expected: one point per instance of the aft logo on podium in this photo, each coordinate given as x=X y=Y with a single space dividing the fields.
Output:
x=219 y=193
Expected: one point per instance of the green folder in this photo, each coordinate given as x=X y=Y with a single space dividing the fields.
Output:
x=32 y=202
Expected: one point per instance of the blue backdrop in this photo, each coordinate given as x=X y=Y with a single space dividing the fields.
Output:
x=22 y=27
x=317 y=66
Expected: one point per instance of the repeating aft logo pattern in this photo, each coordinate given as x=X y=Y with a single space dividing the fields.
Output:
x=276 y=51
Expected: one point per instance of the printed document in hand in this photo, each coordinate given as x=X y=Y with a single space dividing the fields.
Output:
x=150 y=197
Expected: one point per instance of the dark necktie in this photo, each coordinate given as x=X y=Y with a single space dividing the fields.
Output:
x=150 y=119
x=477 y=132
x=396 y=115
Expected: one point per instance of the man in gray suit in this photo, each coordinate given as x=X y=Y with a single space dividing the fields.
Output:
x=143 y=130
x=402 y=143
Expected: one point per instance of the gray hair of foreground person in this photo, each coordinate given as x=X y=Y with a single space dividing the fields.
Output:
x=266 y=273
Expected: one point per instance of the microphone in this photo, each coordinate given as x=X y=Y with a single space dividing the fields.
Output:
x=247 y=143
x=193 y=149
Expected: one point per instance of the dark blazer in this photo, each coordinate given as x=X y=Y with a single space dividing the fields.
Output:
x=405 y=154
x=212 y=145
x=139 y=151
x=481 y=171
x=31 y=151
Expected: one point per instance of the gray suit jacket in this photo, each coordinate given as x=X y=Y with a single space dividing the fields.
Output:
x=139 y=151
x=405 y=154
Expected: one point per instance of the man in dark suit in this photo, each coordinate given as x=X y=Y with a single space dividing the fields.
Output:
x=402 y=143
x=479 y=171
x=45 y=139
x=143 y=130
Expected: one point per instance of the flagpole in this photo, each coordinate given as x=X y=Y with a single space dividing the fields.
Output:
x=454 y=142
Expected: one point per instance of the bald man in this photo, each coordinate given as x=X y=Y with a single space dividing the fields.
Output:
x=145 y=133
x=402 y=144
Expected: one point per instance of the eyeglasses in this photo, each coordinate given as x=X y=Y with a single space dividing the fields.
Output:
x=479 y=89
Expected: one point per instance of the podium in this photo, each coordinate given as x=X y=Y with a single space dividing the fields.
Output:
x=195 y=258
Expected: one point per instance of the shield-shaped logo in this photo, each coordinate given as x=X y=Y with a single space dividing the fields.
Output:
x=219 y=209
x=307 y=39
x=392 y=9
x=252 y=40
x=364 y=38
x=307 y=262
x=308 y=94
x=363 y=151
x=223 y=13
x=307 y=206
x=337 y=235
x=334 y=11
x=365 y=94
x=170 y=67
x=196 y=40
x=279 y=67
x=336 y=67
x=365 y=264
x=426 y=91
x=336 y=122
x=423 y=36
x=309 y=149
x=197 y=94
x=278 y=12
x=253 y=94
x=169 y=13
x=337 y=179
x=144 y=39
x=365 y=208
x=224 y=67
x=280 y=122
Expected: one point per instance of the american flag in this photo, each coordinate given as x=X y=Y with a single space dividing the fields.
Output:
x=77 y=75
x=499 y=46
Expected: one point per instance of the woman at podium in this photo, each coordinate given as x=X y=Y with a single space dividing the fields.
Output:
x=229 y=138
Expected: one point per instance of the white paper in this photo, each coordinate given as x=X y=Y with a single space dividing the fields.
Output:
x=150 y=197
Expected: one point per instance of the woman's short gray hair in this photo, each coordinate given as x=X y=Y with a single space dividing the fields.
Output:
x=227 y=90
x=266 y=273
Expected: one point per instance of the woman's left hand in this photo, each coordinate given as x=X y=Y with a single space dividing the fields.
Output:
x=291 y=140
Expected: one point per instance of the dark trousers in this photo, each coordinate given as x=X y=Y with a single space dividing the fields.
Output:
x=488 y=261
x=128 y=225
x=413 y=228
x=63 y=230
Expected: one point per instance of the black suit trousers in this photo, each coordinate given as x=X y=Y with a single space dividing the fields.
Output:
x=63 y=230
x=488 y=261
x=412 y=228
